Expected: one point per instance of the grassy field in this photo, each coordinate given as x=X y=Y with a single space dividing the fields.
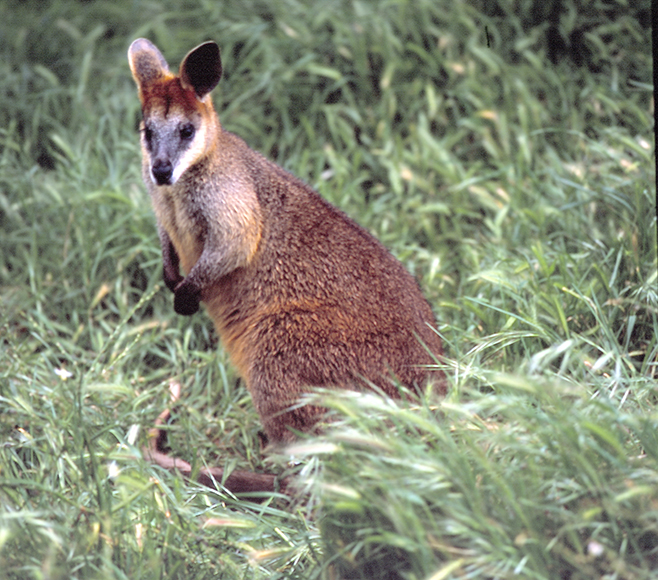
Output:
x=502 y=150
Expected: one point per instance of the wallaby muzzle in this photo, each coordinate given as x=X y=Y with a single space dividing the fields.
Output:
x=162 y=171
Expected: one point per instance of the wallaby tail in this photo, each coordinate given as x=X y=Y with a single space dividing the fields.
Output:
x=236 y=482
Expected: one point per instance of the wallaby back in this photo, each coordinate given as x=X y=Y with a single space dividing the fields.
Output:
x=301 y=295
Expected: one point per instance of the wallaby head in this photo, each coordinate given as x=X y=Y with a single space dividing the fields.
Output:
x=179 y=123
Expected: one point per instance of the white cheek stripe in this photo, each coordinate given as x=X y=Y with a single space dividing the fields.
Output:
x=191 y=154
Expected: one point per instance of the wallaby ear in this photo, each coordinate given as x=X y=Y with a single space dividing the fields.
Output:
x=146 y=62
x=201 y=69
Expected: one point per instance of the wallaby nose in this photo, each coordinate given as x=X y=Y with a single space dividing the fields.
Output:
x=162 y=171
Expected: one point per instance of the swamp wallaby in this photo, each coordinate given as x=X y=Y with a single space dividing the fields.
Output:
x=301 y=295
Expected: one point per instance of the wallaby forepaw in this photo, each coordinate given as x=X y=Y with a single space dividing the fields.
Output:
x=172 y=280
x=186 y=299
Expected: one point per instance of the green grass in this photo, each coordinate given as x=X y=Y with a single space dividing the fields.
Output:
x=514 y=178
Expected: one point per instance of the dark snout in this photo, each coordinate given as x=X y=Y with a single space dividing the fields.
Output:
x=162 y=170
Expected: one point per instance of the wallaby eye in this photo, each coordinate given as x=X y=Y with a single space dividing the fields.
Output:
x=148 y=135
x=187 y=132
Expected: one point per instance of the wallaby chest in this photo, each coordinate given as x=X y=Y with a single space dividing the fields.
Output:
x=179 y=211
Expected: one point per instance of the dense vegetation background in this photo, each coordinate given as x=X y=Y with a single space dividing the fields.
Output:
x=502 y=150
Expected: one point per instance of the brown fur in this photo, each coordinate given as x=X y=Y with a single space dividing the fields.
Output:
x=301 y=295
